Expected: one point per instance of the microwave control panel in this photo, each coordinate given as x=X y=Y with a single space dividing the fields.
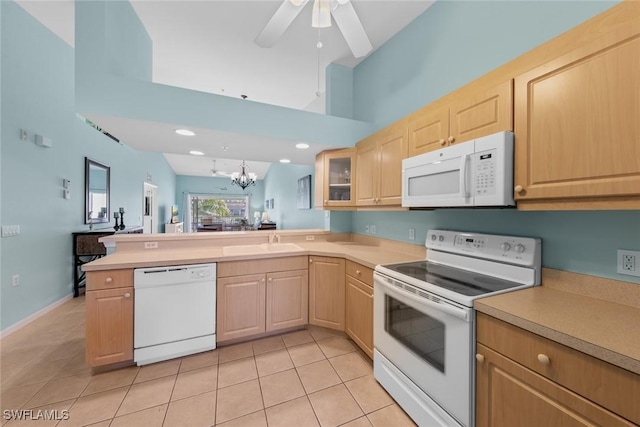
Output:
x=485 y=172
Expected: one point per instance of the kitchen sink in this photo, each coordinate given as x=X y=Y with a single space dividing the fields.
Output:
x=260 y=249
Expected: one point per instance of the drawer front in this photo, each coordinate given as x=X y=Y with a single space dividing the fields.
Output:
x=607 y=385
x=257 y=266
x=109 y=279
x=360 y=272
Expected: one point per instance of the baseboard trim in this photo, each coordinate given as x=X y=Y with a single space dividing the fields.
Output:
x=24 y=322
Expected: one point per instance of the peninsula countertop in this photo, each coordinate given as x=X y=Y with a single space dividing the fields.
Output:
x=368 y=255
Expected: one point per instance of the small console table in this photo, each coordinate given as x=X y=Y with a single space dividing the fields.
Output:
x=87 y=248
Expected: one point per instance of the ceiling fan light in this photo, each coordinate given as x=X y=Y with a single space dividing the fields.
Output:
x=296 y=3
x=321 y=16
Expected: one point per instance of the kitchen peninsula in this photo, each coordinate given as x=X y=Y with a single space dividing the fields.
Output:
x=330 y=279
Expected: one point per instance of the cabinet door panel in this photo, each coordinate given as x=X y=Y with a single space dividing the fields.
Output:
x=366 y=169
x=327 y=292
x=475 y=114
x=577 y=127
x=287 y=299
x=241 y=306
x=427 y=128
x=359 y=314
x=109 y=327
x=509 y=394
x=392 y=149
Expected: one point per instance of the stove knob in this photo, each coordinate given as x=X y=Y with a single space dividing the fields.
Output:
x=433 y=237
x=505 y=246
x=441 y=238
x=519 y=248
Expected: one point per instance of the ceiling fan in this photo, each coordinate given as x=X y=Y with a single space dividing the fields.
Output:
x=216 y=172
x=342 y=11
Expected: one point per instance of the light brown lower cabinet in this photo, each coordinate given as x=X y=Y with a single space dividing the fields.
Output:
x=273 y=297
x=327 y=292
x=359 y=306
x=241 y=306
x=525 y=380
x=109 y=326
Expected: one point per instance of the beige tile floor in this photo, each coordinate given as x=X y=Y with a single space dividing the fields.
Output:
x=313 y=377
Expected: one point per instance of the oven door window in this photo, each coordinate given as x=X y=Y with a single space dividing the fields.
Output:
x=419 y=332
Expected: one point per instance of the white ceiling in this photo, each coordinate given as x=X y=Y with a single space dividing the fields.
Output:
x=209 y=46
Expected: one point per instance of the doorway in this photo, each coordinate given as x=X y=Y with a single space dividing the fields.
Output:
x=150 y=209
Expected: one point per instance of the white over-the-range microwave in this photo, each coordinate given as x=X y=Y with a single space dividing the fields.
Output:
x=473 y=173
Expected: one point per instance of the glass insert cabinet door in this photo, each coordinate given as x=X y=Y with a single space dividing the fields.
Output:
x=97 y=181
x=338 y=177
x=420 y=333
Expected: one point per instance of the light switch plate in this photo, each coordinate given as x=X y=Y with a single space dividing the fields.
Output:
x=10 y=230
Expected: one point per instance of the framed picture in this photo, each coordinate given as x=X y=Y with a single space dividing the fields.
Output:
x=304 y=193
x=270 y=203
x=266 y=204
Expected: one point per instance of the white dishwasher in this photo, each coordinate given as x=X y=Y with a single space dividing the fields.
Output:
x=175 y=311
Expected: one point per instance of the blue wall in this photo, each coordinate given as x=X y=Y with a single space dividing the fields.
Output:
x=281 y=184
x=453 y=43
x=218 y=186
x=450 y=44
x=37 y=88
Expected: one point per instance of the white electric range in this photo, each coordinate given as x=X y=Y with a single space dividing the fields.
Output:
x=424 y=322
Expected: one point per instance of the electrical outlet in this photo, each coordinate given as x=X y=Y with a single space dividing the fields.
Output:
x=366 y=229
x=311 y=237
x=412 y=234
x=15 y=280
x=151 y=245
x=373 y=229
x=628 y=262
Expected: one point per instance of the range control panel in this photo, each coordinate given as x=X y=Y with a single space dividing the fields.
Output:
x=515 y=250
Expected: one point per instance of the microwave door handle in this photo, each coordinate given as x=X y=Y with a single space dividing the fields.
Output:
x=442 y=307
x=463 y=176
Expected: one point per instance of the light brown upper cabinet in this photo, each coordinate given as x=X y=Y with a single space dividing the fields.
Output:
x=577 y=128
x=465 y=114
x=334 y=185
x=379 y=166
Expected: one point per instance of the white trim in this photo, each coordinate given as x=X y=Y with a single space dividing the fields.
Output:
x=24 y=322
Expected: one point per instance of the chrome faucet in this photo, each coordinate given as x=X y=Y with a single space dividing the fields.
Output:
x=273 y=236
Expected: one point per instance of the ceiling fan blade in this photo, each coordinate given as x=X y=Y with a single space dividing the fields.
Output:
x=279 y=22
x=352 y=29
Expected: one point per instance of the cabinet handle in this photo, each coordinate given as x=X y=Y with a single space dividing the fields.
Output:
x=127 y=295
x=451 y=140
x=271 y=279
x=519 y=189
x=442 y=142
x=480 y=358
x=358 y=272
x=108 y=280
x=310 y=260
x=325 y=202
x=544 y=359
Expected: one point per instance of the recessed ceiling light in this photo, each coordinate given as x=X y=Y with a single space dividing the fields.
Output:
x=224 y=148
x=285 y=161
x=302 y=145
x=196 y=153
x=185 y=132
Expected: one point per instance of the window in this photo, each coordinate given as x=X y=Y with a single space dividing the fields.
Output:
x=219 y=213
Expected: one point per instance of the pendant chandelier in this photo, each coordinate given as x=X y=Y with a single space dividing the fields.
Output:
x=242 y=179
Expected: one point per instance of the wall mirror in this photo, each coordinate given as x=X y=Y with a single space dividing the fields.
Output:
x=96 y=191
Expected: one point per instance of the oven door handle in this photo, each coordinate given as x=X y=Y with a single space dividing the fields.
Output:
x=460 y=313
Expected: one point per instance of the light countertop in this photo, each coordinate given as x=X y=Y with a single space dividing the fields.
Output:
x=607 y=330
x=364 y=254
